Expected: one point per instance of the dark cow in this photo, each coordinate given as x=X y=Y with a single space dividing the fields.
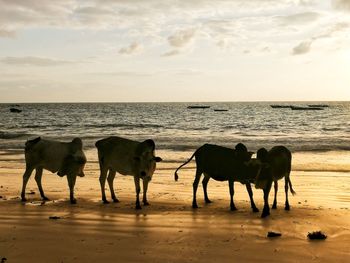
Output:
x=126 y=157
x=61 y=157
x=279 y=161
x=224 y=164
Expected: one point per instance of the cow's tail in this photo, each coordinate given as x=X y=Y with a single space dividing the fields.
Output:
x=98 y=145
x=289 y=181
x=30 y=143
x=291 y=187
x=175 y=174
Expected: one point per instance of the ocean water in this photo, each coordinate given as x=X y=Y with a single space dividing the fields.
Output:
x=174 y=127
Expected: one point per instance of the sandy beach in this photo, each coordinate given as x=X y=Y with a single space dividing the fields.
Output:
x=169 y=230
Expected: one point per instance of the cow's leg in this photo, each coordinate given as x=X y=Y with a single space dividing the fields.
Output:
x=38 y=175
x=137 y=188
x=71 y=183
x=26 y=177
x=266 y=210
x=195 y=186
x=205 y=184
x=232 y=192
x=110 y=180
x=145 y=187
x=275 y=184
x=250 y=192
x=286 y=179
x=102 y=179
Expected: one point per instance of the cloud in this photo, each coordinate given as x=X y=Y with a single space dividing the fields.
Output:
x=182 y=38
x=302 y=48
x=34 y=61
x=299 y=18
x=171 y=53
x=131 y=49
x=341 y=4
x=7 y=33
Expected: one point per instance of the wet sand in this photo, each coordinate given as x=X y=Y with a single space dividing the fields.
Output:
x=169 y=230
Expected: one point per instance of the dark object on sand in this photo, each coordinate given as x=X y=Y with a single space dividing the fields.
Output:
x=273 y=234
x=31 y=193
x=316 y=235
x=198 y=107
x=54 y=217
x=274 y=106
x=220 y=110
x=305 y=108
x=15 y=110
x=318 y=105
x=3 y=260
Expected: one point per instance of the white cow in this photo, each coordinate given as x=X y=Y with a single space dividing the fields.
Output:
x=61 y=157
x=126 y=157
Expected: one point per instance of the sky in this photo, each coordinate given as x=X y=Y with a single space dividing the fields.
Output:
x=184 y=50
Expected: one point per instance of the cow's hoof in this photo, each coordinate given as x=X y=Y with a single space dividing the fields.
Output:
x=45 y=198
x=145 y=203
x=263 y=215
x=255 y=209
x=274 y=206
x=115 y=200
x=194 y=206
x=207 y=201
x=73 y=201
x=23 y=199
x=287 y=208
x=105 y=201
x=138 y=207
x=233 y=208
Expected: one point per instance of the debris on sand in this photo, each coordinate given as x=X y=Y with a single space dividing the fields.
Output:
x=54 y=217
x=3 y=260
x=31 y=193
x=316 y=235
x=273 y=234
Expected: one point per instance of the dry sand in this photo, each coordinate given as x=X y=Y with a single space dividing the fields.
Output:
x=169 y=230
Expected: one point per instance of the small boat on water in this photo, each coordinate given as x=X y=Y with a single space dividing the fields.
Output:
x=15 y=110
x=198 y=107
x=220 y=110
x=305 y=108
x=318 y=105
x=280 y=106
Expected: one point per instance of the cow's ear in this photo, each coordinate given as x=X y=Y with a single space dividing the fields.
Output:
x=158 y=159
x=137 y=158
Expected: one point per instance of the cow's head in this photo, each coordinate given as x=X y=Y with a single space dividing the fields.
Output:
x=74 y=162
x=145 y=160
x=242 y=153
x=264 y=176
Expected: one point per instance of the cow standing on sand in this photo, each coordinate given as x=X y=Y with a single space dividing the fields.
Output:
x=224 y=164
x=126 y=157
x=279 y=163
x=63 y=158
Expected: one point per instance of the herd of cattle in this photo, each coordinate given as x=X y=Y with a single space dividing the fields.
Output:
x=138 y=159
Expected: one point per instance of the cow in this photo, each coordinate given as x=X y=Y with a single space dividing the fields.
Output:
x=224 y=164
x=65 y=158
x=127 y=157
x=279 y=161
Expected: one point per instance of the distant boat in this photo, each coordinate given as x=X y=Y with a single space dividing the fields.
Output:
x=318 y=105
x=220 y=110
x=15 y=110
x=305 y=108
x=198 y=107
x=280 y=106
